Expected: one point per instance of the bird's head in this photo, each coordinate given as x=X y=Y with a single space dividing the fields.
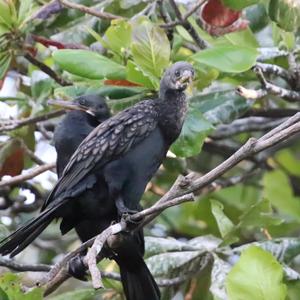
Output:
x=177 y=77
x=94 y=105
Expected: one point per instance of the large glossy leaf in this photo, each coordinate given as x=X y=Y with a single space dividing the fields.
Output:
x=278 y=190
x=150 y=47
x=227 y=58
x=113 y=91
x=194 y=131
x=286 y=13
x=257 y=275
x=220 y=106
x=173 y=264
x=284 y=249
x=88 y=64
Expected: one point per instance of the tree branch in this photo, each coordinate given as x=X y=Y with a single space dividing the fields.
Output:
x=288 y=95
x=275 y=70
x=184 y=18
x=187 y=25
x=28 y=175
x=14 y=124
x=89 y=10
x=47 y=70
x=249 y=124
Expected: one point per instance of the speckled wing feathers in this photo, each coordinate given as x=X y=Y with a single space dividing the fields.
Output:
x=105 y=143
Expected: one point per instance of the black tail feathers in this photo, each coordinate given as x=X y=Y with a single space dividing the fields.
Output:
x=22 y=237
x=138 y=282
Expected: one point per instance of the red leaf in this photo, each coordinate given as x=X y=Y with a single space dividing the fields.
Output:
x=218 y=19
x=48 y=42
x=13 y=164
x=120 y=82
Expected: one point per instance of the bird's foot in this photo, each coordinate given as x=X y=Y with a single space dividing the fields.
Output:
x=123 y=210
x=77 y=268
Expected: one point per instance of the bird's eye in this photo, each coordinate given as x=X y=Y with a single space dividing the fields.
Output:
x=177 y=73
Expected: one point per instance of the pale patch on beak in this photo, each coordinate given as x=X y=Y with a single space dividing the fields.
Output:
x=90 y=113
x=185 y=79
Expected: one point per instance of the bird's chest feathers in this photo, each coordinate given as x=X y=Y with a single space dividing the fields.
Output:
x=172 y=116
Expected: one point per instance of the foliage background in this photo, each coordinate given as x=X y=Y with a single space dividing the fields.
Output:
x=238 y=240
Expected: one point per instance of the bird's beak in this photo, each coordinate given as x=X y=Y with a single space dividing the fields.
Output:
x=70 y=105
x=187 y=77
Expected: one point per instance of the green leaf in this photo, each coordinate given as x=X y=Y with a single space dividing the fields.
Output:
x=25 y=10
x=220 y=106
x=277 y=189
x=239 y=4
x=150 y=47
x=88 y=64
x=226 y=227
x=4 y=65
x=136 y=75
x=111 y=91
x=289 y=160
x=172 y=264
x=257 y=275
x=5 y=14
x=227 y=58
x=41 y=88
x=259 y=215
x=118 y=36
x=285 y=13
x=195 y=129
x=257 y=16
x=243 y=38
x=11 y=285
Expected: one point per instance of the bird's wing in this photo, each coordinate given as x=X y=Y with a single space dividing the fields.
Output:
x=105 y=143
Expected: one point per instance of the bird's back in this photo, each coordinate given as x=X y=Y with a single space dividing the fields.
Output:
x=68 y=135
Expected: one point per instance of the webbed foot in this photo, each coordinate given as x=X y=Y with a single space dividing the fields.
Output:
x=77 y=268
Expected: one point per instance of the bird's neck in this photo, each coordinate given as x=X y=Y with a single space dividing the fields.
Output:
x=82 y=117
x=173 y=108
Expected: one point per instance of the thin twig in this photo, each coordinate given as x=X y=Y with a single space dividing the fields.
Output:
x=89 y=10
x=14 y=124
x=188 y=26
x=170 y=24
x=28 y=175
x=13 y=265
x=271 y=69
x=249 y=124
x=47 y=70
x=288 y=95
